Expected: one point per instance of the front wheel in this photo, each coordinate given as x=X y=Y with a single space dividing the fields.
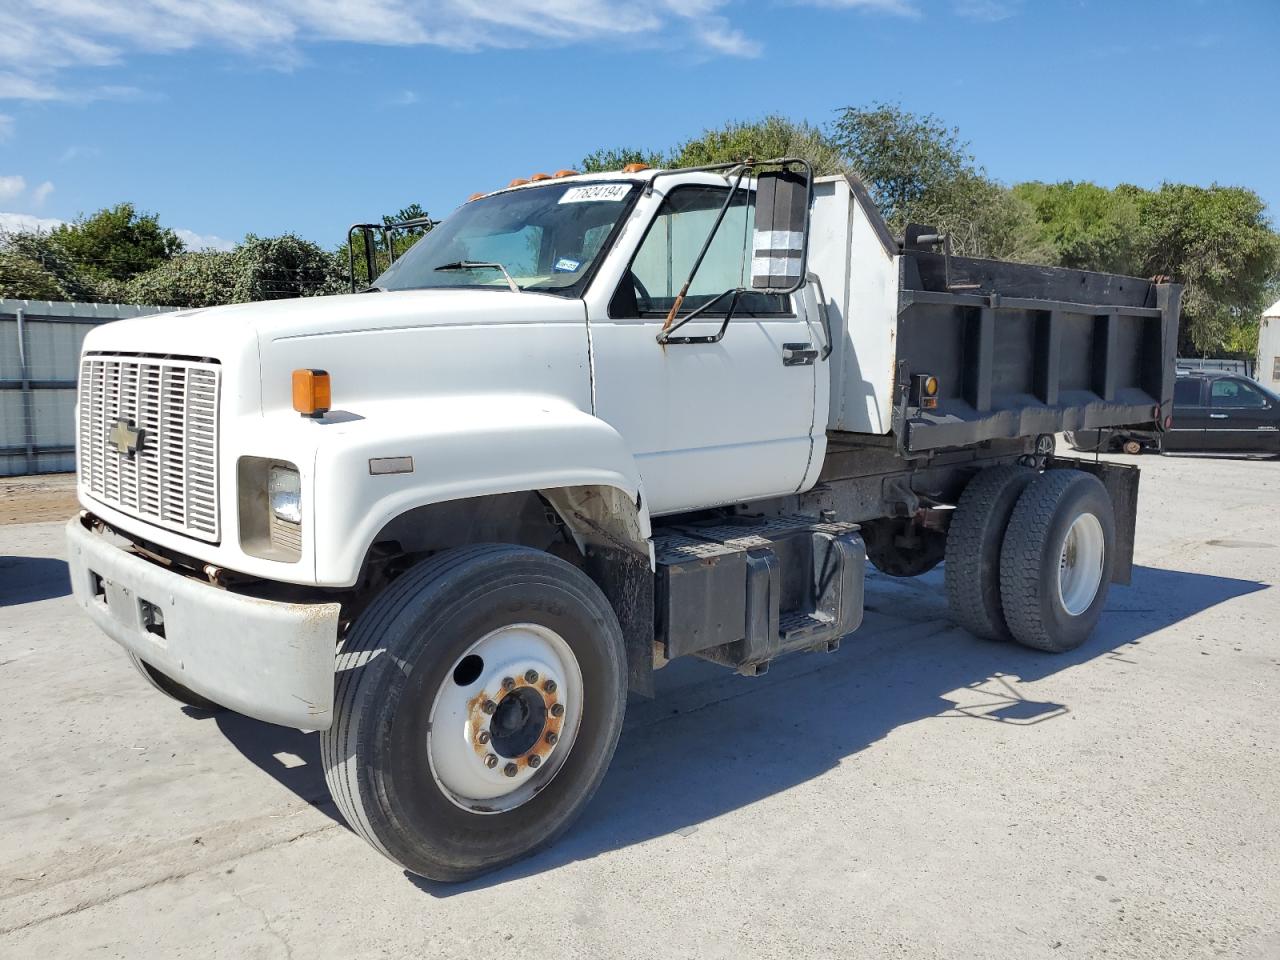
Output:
x=477 y=707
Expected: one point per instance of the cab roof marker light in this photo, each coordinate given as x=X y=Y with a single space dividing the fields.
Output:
x=564 y=173
x=517 y=182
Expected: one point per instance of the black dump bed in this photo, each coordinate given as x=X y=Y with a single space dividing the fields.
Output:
x=1020 y=350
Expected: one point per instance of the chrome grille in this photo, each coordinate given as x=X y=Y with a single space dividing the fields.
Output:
x=171 y=479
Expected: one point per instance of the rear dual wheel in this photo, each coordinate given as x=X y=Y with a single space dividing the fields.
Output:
x=477 y=707
x=1029 y=556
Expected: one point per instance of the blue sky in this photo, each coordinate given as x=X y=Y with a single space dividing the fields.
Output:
x=233 y=116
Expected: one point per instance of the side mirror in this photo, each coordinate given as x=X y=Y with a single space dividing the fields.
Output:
x=780 y=241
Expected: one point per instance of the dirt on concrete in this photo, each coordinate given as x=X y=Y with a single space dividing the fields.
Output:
x=37 y=499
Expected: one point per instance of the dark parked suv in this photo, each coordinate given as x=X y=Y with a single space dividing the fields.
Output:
x=1212 y=413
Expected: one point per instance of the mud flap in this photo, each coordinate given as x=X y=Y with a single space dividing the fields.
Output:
x=1121 y=481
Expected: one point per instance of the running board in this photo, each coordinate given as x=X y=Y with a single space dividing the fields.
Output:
x=743 y=591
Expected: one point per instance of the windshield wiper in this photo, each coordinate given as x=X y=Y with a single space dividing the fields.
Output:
x=481 y=265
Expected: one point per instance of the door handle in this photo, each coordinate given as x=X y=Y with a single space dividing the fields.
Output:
x=799 y=354
x=1217 y=416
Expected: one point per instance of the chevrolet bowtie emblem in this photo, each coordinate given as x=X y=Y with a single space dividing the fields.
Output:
x=125 y=438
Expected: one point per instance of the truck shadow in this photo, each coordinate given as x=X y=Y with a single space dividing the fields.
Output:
x=712 y=742
x=28 y=579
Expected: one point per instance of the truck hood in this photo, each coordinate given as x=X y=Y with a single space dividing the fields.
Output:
x=376 y=346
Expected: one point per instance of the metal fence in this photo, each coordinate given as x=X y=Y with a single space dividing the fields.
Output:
x=39 y=357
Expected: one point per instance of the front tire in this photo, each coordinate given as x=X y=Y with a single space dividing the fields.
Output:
x=478 y=704
x=1056 y=560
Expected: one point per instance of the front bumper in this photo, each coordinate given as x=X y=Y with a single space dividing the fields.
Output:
x=269 y=660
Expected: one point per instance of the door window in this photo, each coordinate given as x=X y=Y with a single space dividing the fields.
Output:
x=671 y=246
x=1186 y=392
x=1235 y=393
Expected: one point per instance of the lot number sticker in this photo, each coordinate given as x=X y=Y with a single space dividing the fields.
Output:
x=596 y=192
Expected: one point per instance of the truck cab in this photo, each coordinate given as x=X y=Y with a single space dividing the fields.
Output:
x=585 y=425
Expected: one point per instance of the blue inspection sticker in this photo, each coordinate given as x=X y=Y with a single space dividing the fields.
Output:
x=566 y=265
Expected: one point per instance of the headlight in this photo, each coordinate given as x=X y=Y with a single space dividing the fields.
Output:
x=269 y=495
x=285 y=494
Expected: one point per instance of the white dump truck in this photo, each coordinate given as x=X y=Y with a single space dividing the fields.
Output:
x=586 y=425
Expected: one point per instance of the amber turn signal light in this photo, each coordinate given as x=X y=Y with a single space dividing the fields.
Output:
x=311 y=396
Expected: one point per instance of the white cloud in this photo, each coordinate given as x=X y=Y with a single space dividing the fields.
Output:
x=40 y=194
x=26 y=223
x=405 y=98
x=989 y=10
x=197 y=241
x=897 y=8
x=718 y=36
x=41 y=38
x=12 y=187
x=77 y=152
x=6 y=127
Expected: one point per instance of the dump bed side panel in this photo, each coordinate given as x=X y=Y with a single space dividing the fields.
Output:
x=1020 y=350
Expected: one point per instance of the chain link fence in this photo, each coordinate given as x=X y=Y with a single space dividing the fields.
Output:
x=40 y=344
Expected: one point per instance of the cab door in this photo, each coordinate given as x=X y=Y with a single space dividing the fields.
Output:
x=716 y=422
x=1190 y=416
x=1241 y=418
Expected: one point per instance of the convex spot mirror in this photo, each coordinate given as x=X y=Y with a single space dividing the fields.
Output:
x=781 y=227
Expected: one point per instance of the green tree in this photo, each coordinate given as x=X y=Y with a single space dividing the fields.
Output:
x=203 y=278
x=116 y=242
x=1088 y=227
x=605 y=160
x=918 y=170
x=905 y=159
x=1219 y=243
x=274 y=268
x=38 y=264
x=771 y=136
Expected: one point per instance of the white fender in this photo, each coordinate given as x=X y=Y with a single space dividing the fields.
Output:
x=463 y=446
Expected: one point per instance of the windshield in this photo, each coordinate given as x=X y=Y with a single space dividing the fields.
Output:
x=545 y=237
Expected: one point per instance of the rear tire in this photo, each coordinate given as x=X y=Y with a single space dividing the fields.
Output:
x=172 y=688
x=1055 y=564
x=448 y=668
x=974 y=542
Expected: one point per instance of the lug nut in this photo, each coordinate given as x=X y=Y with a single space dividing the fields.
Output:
x=534 y=760
x=531 y=676
x=489 y=706
x=549 y=686
x=557 y=710
x=510 y=769
x=551 y=737
x=482 y=736
x=490 y=761
x=508 y=683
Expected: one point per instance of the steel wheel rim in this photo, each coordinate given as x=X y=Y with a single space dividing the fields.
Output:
x=505 y=718
x=1080 y=564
